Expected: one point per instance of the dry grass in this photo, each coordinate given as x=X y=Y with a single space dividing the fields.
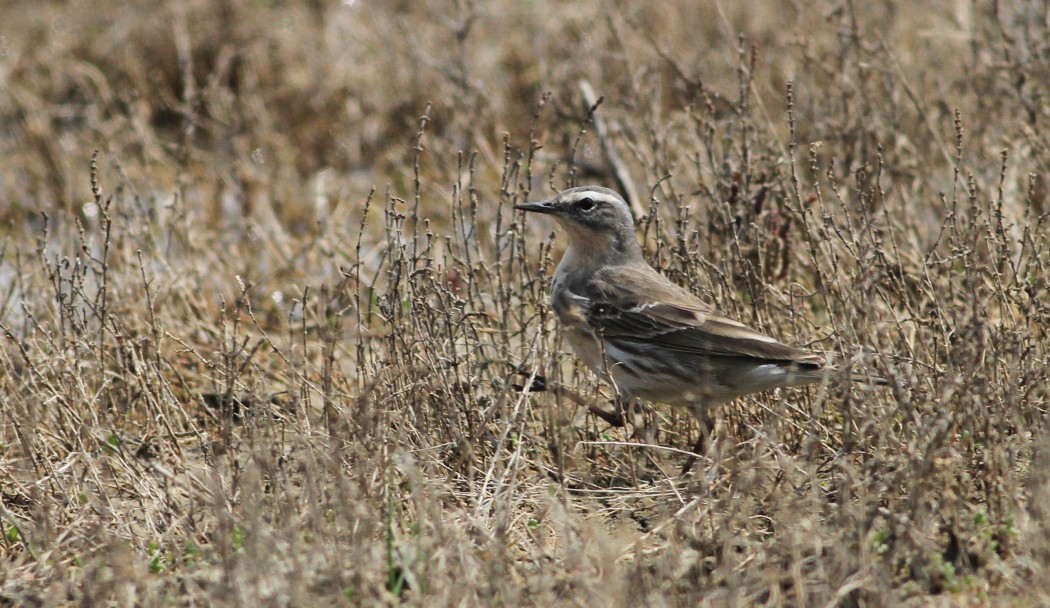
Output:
x=263 y=349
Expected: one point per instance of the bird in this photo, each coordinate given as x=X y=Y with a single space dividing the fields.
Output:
x=647 y=336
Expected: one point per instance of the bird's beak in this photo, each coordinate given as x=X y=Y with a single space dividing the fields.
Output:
x=537 y=207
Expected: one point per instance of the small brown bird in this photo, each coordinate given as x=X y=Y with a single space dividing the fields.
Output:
x=644 y=334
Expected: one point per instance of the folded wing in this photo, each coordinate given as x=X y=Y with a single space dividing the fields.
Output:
x=674 y=319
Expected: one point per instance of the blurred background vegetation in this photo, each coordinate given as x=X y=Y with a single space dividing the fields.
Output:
x=264 y=302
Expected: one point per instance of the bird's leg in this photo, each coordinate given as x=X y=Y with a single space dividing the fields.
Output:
x=540 y=384
x=642 y=419
x=616 y=418
x=705 y=416
x=696 y=450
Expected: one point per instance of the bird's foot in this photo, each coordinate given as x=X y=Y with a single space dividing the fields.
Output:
x=537 y=382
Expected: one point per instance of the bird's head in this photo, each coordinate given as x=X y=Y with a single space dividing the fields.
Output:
x=595 y=218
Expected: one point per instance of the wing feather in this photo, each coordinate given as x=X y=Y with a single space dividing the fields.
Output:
x=669 y=317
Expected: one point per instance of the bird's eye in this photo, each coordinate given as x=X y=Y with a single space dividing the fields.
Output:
x=586 y=204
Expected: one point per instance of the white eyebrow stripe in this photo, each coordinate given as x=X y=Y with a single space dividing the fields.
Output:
x=593 y=195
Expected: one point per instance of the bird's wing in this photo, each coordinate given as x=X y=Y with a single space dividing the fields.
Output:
x=660 y=314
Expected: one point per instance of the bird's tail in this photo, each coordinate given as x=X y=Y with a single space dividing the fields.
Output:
x=835 y=374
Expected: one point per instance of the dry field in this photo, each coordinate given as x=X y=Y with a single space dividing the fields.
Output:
x=266 y=309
